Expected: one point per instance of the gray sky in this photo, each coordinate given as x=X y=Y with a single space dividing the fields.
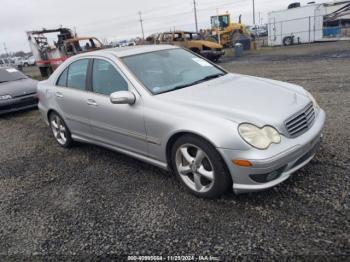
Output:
x=118 y=19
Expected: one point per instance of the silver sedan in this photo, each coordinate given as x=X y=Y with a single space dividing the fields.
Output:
x=173 y=109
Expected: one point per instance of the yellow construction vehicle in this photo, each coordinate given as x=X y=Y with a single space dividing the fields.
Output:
x=227 y=33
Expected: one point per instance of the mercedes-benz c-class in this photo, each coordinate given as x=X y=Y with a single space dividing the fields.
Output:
x=174 y=109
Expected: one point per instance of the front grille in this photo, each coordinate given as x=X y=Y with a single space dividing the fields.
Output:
x=300 y=122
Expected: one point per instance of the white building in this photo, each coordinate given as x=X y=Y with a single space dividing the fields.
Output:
x=309 y=23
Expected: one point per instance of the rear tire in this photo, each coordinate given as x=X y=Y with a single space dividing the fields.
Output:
x=199 y=167
x=60 y=130
x=288 y=41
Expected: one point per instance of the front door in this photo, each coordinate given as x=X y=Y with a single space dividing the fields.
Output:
x=119 y=125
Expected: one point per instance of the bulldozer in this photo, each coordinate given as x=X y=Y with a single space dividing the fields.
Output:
x=228 y=33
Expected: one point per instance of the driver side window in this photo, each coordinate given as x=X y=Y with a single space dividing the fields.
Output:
x=106 y=79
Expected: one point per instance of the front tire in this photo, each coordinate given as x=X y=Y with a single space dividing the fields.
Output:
x=60 y=130
x=200 y=167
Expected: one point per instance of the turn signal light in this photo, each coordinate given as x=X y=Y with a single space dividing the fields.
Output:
x=240 y=162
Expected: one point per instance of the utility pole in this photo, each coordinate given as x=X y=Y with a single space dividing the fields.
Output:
x=141 y=21
x=195 y=14
x=5 y=48
x=218 y=26
x=253 y=12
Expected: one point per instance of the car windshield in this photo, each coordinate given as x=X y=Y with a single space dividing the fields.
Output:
x=10 y=74
x=168 y=70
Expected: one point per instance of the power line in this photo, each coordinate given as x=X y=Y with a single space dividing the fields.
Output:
x=141 y=20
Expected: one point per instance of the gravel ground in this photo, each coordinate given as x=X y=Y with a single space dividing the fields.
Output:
x=91 y=201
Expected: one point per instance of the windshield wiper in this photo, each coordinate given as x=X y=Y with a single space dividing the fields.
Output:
x=209 y=77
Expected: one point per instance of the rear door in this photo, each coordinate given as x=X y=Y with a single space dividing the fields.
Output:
x=119 y=125
x=72 y=97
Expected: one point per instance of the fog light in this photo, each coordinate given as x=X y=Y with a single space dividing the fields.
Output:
x=240 y=162
x=264 y=178
x=273 y=175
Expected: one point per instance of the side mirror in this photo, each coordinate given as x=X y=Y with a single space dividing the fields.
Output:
x=122 y=97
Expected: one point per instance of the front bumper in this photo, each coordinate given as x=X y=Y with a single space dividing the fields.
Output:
x=17 y=104
x=212 y=54
x=281 y=160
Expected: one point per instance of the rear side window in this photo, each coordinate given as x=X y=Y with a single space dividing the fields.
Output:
x=106 y=79
x=77 y=74
x=62 y=80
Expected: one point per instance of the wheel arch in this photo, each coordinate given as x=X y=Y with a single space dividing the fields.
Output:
x=172 y=139
x=50 y=111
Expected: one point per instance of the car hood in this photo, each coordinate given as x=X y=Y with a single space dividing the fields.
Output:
x=208 y=43
x=19 y=87
x=242 y=98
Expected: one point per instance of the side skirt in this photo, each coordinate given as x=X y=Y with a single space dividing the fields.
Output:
x=123 y=151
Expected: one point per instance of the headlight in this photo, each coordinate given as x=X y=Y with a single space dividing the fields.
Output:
x=260 y=138
x=313 y=100
x=5 y=97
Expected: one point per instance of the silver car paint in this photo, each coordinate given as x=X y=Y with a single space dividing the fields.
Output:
x=212 y=110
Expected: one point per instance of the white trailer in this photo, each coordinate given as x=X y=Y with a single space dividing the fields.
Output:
x=309 y=23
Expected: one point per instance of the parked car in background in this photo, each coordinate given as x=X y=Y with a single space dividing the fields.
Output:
x=258 y=30
x=123 y=43
x=30 y=61
x=192 y=41
x=214 y=129
x=17 y=91
x=18 y=62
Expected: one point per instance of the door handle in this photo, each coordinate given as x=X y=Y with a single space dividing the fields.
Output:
x=59 y=94
x=91 y=102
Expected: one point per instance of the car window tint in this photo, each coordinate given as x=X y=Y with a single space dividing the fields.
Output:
x=62 y=80
x=77 y=74
x=106 y=79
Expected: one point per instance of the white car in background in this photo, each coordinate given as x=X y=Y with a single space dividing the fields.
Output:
x=30 y=61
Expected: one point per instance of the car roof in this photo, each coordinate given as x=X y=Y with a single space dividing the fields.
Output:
x=133 y=50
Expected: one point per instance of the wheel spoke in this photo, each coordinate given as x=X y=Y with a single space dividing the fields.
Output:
x=58 y=121
x=54 y=124
x=184 y=170
x=63 y=136
x=186 y=155
x=197 y=181
x=200 y=155
x=207 y=174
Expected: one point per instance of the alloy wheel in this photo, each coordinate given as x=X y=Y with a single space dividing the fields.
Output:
x=59 y=130
x=195 y=168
